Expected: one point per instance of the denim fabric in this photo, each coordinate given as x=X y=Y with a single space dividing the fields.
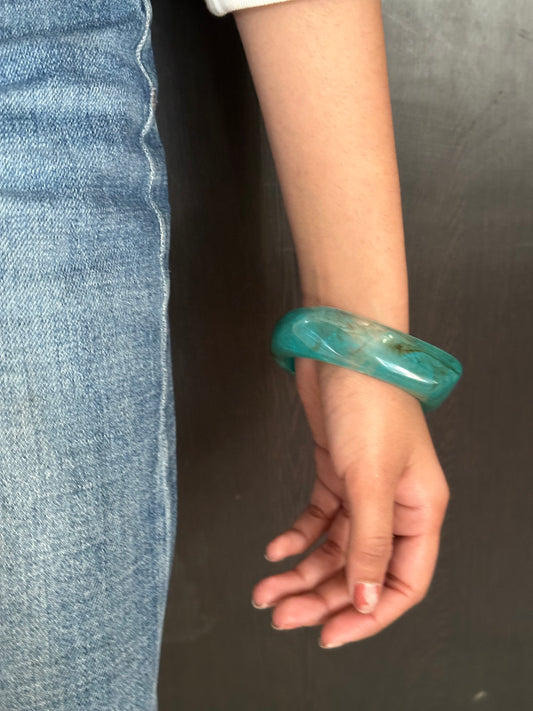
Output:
x=88 y=479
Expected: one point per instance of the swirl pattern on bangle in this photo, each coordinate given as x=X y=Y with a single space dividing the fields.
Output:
x=340 y=337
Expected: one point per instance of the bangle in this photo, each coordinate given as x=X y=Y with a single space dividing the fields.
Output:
x=336 y=336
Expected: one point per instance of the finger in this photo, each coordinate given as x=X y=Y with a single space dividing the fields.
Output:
x=317 y=567
x=371 y=501
x=406 y=584
x=315 y=606
x=312 y=523
x=409 y=573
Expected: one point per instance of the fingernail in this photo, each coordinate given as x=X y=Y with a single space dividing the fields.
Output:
x=365 y=596
x=259 y=607
x=330 y=645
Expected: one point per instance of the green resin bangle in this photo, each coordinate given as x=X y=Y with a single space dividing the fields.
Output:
x=343 y=338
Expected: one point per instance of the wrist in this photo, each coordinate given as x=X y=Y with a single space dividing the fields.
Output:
x=362 y=270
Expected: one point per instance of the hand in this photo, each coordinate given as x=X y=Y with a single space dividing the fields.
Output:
x=380 y=495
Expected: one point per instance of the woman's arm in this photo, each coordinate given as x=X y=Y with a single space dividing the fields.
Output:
x=320 y=73
x=380 y=495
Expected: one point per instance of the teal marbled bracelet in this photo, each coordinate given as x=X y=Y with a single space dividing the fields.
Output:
x=343 y=338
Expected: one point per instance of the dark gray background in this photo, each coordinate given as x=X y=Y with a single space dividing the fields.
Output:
x=461 y=77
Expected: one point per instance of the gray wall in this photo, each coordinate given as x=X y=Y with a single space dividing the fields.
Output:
x=461 y=76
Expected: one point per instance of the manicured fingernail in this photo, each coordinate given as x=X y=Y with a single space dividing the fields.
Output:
x=276 y=627
x=365 y=596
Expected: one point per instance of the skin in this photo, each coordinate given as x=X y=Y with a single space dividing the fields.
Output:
x=380 y=495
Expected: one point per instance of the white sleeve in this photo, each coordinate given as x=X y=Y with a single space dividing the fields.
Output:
x=222 y=7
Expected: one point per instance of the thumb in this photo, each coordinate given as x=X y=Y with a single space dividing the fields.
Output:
x=371 y=504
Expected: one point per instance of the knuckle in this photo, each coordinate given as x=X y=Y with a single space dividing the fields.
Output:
x=439 y=505
x=317 y=512
x=374 y=549
x=354 y=473
x=419 y=594
x=434 y=510
x=344 y=510
x=331 y=548
x=443 y=494
x=400 y=585
x=415 y=595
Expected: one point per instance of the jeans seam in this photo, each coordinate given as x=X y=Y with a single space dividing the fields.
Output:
x=162 y=438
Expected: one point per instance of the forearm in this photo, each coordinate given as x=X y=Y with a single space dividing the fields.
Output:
x=320 y=73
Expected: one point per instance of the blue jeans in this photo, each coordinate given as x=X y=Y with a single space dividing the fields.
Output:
x=88 y=479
